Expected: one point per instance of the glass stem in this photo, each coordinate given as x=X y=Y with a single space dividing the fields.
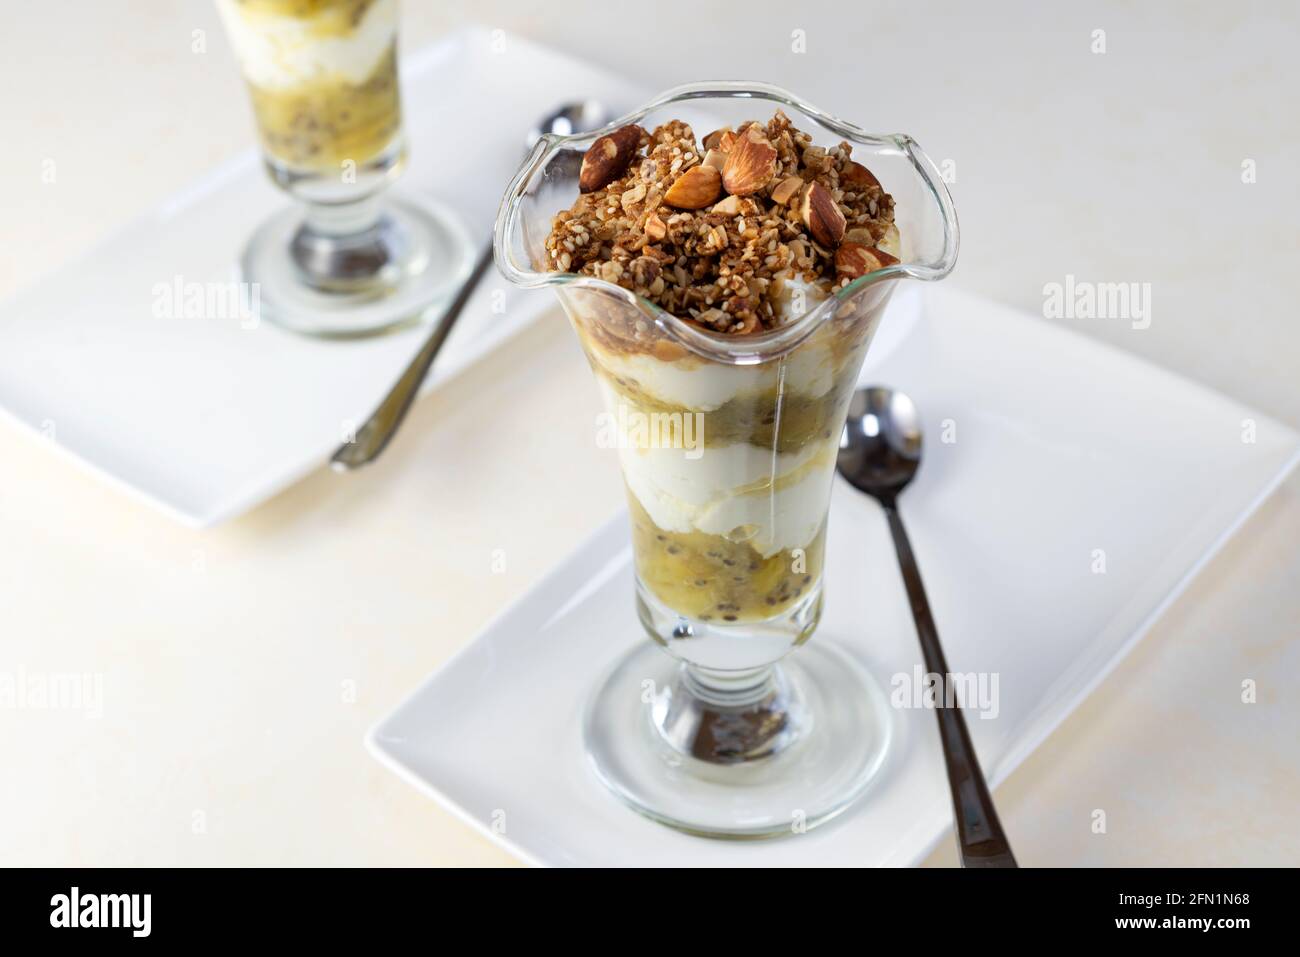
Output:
x=729 y=689
x=342 y=219
x=343 y=247
x=729 y=717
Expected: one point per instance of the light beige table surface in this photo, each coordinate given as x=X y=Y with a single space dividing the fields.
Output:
x=230 y=732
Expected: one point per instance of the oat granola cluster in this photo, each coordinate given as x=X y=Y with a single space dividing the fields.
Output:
x=711 y=233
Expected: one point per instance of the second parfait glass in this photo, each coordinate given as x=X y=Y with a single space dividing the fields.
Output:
x=728 y=447
x=347 y=260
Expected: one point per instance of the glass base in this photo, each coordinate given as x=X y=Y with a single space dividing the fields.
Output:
x=391 y=275
x=664 y=752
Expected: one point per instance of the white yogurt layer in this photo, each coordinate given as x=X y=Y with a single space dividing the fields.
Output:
x=704 y=386
x=281 y=52
x=730 y=491
x=771 y=500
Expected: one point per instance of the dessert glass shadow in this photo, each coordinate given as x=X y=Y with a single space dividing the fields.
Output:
x=347 y=260
x=728 y=444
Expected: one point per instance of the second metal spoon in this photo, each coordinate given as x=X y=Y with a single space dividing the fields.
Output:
x=879 y=454
x=374 y=435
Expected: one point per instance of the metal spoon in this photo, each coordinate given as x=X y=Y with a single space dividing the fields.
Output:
x=880 y=452
x=373 y=436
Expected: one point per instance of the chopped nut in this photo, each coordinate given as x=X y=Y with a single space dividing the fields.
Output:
x=715 y=242
x=751 y=163
x=715 y=317
x=815 y=159
x=786 y=190
x=822 y=216
x=645 y=269
x=724 y=261
x=607 y=159
x=715 y=158
x=711 y=141
x=633 y=196
x=728 y=207
x=858 y=176
x=891 y=242
x=696 y=188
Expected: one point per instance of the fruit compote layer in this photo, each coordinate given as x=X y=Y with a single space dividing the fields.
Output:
x=323 y=77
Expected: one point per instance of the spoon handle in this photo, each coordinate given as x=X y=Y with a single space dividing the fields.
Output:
x=980 y=839
x=374 y=435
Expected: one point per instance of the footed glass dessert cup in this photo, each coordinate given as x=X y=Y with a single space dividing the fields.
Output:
x=346 y=260
x=728 y=446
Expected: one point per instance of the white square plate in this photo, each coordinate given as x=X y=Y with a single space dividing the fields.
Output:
x=1066 y=453
x=205 y=418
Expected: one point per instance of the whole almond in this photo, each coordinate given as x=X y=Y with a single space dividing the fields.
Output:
x=854 y=259
x=857 y=176
x=607 y=159
x=696 y=188
x=751 y=163
x=822 y=216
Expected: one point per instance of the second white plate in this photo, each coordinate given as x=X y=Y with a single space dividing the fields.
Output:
x=205 y=417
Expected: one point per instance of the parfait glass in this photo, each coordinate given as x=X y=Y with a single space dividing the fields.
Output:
x=346 y=260
x=728 y=447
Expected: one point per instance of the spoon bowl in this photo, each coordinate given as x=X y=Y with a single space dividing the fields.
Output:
x=568 y=119
x=880 y=448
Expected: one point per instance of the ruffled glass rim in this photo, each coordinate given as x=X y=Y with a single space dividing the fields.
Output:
x=748 y=349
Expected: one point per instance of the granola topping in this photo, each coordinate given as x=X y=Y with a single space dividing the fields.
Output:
x=713 y=232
